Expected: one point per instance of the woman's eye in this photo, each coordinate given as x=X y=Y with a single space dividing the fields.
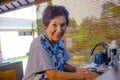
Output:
x=54 y=25
x=64 y=24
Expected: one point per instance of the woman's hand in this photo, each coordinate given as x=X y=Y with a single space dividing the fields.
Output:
x=87 y=74
x=79 y=70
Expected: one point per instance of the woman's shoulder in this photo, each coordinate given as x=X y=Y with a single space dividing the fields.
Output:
x=37 y=40
x=40 y=37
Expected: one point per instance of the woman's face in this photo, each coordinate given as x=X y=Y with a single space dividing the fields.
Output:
x=56 y=28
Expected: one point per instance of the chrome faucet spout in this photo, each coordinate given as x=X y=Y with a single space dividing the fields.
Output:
x=99 y=43
x=94 y=47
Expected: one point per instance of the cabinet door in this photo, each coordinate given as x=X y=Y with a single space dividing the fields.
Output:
x=8 y=75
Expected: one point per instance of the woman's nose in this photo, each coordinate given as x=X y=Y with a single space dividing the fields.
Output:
x=59 y=29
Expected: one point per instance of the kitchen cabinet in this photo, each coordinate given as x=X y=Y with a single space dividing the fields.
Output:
x=11 y=71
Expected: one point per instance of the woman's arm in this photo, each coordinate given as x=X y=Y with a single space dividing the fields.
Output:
x=56 y=75
x=70 y=68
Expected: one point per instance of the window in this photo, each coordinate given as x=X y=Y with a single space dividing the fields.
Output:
x=22 y=33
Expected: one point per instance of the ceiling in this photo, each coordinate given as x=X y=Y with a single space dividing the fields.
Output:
x=11 y=5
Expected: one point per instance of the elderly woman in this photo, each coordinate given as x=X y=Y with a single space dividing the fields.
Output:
x=48 y=56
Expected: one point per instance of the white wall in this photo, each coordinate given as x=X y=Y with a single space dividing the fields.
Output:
x=13 y=45
x=15 y=23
